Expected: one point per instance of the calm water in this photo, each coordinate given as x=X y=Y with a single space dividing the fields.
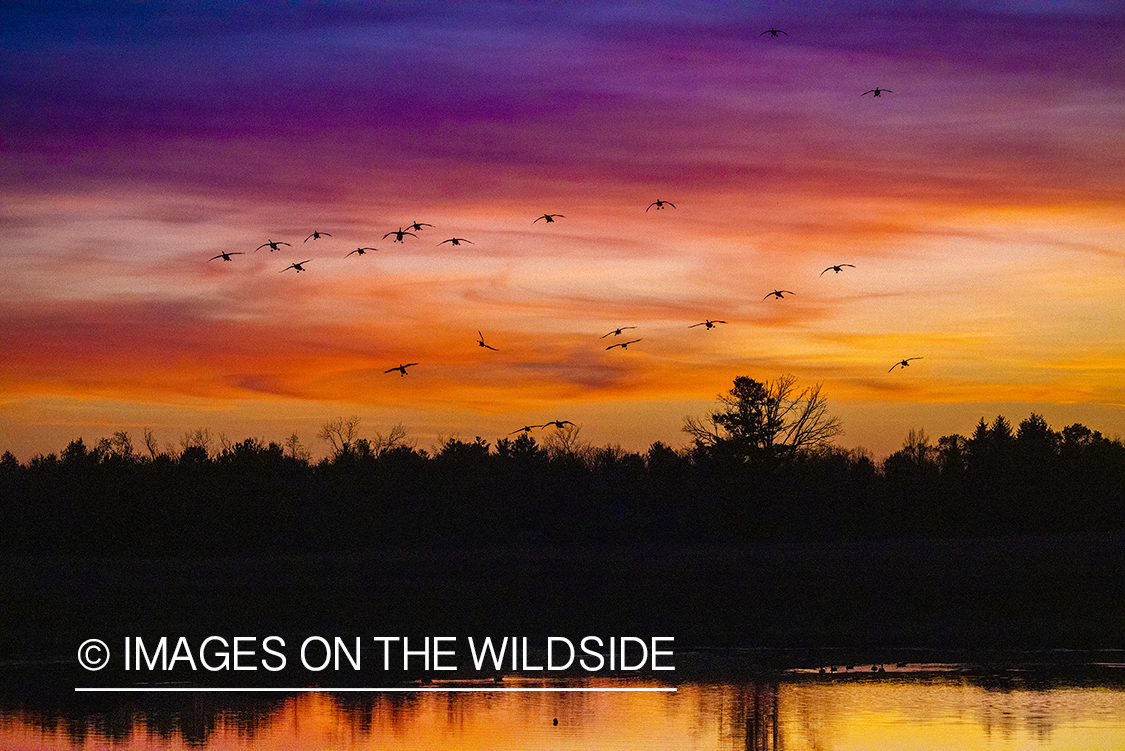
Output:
x=920 y=707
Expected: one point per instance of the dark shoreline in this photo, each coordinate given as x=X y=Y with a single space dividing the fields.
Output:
x=867 y=599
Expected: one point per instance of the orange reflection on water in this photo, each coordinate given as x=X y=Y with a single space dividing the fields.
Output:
x=798 y=714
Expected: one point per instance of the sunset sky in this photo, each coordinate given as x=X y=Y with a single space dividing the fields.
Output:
x=981 y=202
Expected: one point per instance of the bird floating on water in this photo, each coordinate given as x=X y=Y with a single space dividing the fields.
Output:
x=905 y=363
x=877 y=91
x=659 y=204
x=616 y=332
x=456 y=241
x=623 y=345
x=361 y=251
x=316 y=235
x=836 y=268
x=272 y=245
x=709 y=324
x=773 y=32
x=480 y=341
x=779 y=294
x=296 y=266
x=549 y=217
x=399 y=233
x=401 y=368
x=226 y=256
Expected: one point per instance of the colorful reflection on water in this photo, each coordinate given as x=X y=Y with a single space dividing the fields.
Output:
x=915 y=710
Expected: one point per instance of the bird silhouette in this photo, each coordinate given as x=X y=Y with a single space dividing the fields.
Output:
x=317 y=235
x=616 y=332
x=772 y=32
x=709 y=324
x=226 y=256
x=905 y=363
x=361 y=251
x=557 y=423
x=399 y=233
x=272 y=245
x=417 y=226
x=527 y=429
x=297 y=266
x=623 y=345
x=549 y=217
x=456 y=241
x=779 y=294
x=876 y=91
x=480 y=341
x=401 y=368
x=659 y=204
x=836 y=268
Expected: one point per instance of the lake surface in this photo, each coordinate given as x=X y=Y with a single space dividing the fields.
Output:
x=919 y=706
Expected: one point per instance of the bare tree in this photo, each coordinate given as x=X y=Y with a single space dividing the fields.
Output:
x=198 y=438
x=295 y=449
x=122 y=444
x=767 y=420
x=150 y=444
x=341 y=434
x=393 y=439
x=564 y=441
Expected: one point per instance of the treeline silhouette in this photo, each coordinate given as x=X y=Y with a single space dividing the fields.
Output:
x=254 y=496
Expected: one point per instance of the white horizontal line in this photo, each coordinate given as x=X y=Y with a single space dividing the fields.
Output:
x=398 y=689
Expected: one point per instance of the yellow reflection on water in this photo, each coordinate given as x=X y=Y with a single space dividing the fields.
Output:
x=798 y=714
x=947 y=713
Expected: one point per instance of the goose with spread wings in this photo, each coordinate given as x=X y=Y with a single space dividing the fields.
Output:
x=709 y=324
x=904 y=363
x=298 y=267
x=361 y=251
x=226 y=256
x=480 y=342
x=550 y=217
x=837 y=269
x=399 y=234
x=401 y=368
x=272 y=245
x=779 y=294
x=623 y=345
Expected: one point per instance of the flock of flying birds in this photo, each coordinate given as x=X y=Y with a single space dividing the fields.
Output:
x=414 y=228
